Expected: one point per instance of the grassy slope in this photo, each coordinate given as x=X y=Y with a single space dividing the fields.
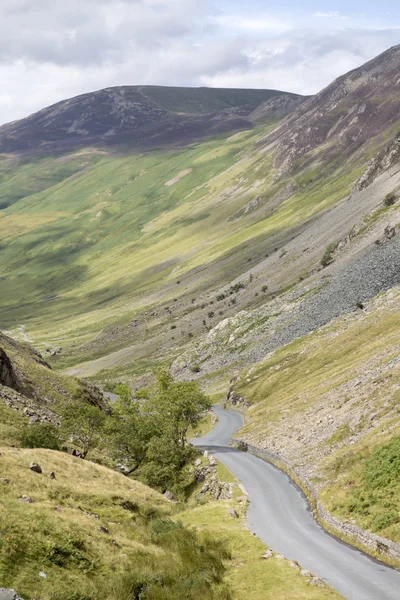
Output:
x=113 y=238
x=65 y=542
x=250 y=576
x=353 y=374
x=59 y=535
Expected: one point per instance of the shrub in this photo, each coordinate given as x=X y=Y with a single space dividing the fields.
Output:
x=328 y=254
x=211 y=314
x=40 y=435
x=83 y=424
x=195 y=368
x=236 y=287
x=264 y=288
x=220 y=297
x=389 y=199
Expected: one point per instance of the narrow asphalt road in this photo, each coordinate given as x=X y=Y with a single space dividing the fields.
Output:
x=280 y=517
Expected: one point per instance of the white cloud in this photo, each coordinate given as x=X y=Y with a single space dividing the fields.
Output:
x=53 y=49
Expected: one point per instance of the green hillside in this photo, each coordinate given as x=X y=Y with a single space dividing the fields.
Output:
x=92 y=238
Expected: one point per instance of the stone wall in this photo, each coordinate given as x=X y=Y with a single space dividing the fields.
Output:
x=351 y=532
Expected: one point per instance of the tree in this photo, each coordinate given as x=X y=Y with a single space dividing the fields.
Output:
x=176 y=406
x=83 y=424
x=129 y=433
x=149 y=435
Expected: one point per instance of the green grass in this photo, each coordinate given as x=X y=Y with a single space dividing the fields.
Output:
x=367 y=486
x=250 y=576
x=11 y=424
x=58 y=535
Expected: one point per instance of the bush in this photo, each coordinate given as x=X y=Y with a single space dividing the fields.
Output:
x=40 y=435
x=389 y=199
x=328 y=254
x=195 y=368
x=264 y=288
x=236 y=288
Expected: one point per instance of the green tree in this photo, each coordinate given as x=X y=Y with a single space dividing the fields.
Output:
x=129 y=432
x=83 y=424
x=149 y=435
x=176 y=406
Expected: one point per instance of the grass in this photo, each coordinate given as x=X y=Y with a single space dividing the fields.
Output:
x=59 y=533
x=250 y=576
x=58 y=548
x=367 y=485
x=11 y=424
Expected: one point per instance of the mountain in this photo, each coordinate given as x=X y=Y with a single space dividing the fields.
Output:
x=145 y=116
x=357 y=108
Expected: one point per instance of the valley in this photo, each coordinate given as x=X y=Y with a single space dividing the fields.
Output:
x=183 y=247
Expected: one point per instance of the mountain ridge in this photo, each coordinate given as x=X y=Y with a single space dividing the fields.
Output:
x=139 y=115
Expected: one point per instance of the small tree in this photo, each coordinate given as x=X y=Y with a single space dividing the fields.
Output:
x=83 y=424
x=327 y=258
x=390 y=199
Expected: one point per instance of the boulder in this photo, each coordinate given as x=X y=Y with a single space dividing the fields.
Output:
x=25 y=498
x=268 y=554
x=212 y=461
x=104 y=530
x=36 y=468
x=232 y=513
x=168 y=495
x=52 y=475
x=9 y=595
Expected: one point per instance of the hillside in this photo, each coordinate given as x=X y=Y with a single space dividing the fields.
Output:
x=119 y=258
x=93 y=533
x=32 y=392
x=72 y=528
x=338 y=426
x=140 y=116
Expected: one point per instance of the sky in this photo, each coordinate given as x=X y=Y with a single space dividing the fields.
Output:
x=51 y=50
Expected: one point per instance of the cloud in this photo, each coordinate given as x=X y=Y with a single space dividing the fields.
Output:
x=333 y=14
x=52 y=49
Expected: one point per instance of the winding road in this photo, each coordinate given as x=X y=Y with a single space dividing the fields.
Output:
x=280 y=517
